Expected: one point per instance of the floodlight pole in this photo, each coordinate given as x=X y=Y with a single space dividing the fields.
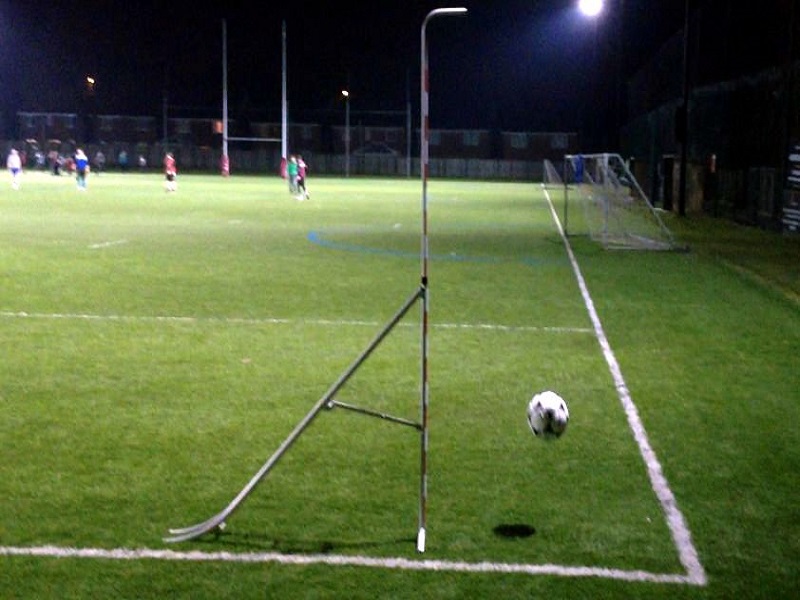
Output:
x=423 y=163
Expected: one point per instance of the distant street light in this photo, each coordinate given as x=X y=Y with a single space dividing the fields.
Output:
x=346 y=95
x=88 y=110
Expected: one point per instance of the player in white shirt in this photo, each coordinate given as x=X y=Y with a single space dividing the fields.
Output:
x=14 y=164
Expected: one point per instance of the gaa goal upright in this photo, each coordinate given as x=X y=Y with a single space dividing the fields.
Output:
x=603 y=200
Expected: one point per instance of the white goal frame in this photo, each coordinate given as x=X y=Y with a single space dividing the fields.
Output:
x=605 y=201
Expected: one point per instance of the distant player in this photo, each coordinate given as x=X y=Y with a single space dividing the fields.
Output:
x=99 y=162
x=81 y=168
x=14 y=164
x=302 y=167
x=291 y=170
x=170 y=173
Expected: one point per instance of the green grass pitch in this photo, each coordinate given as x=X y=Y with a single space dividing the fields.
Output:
x=158 y=348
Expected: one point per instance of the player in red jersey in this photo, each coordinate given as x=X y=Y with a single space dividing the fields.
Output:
x=170 y=172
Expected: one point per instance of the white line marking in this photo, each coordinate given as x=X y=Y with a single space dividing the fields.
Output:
x=675 y=520
x=107 y=244
x=402 y=564
x=688 y=554
x=280 y=321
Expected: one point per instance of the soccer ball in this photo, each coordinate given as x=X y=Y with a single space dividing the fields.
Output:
x=548 y=415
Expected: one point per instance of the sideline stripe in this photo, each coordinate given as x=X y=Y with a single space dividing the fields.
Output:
x=677 y=524
x=280 y=321
x=402 y=564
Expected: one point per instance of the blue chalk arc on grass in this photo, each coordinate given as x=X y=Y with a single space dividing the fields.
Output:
x=319 y=238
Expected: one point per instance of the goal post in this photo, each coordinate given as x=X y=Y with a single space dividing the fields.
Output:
x=252 y=155
x=225 y=161
x=604 y=201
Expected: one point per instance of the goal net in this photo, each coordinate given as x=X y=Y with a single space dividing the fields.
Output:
x=552 y=178
x=603 y=200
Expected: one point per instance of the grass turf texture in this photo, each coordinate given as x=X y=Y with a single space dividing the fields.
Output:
x=159 y=347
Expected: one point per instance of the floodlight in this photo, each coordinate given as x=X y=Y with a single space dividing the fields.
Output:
x=591 y=8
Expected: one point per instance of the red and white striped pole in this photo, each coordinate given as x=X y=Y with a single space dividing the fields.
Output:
x=424 y=130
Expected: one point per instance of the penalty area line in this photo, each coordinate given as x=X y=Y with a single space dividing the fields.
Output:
x=336 y=560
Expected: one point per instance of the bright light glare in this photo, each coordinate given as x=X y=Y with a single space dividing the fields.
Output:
x=591 y=8
x=345 y=93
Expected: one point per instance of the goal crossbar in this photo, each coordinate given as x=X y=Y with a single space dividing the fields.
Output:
x=252 y=139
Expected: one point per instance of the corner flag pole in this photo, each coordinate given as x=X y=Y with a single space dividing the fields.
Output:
x=423 y=147
x=217 y=522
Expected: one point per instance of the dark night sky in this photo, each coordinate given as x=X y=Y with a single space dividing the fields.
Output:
x=513 y=64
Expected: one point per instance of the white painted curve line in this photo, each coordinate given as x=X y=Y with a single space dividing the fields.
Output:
x=337 y=560
x=494 y=327
x=675 y=520
x=100 y=245
x=281 y=321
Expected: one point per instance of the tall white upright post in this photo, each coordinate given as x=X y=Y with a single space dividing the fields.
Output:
x=423 y=163
x=225 y=166
x=284 y=108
